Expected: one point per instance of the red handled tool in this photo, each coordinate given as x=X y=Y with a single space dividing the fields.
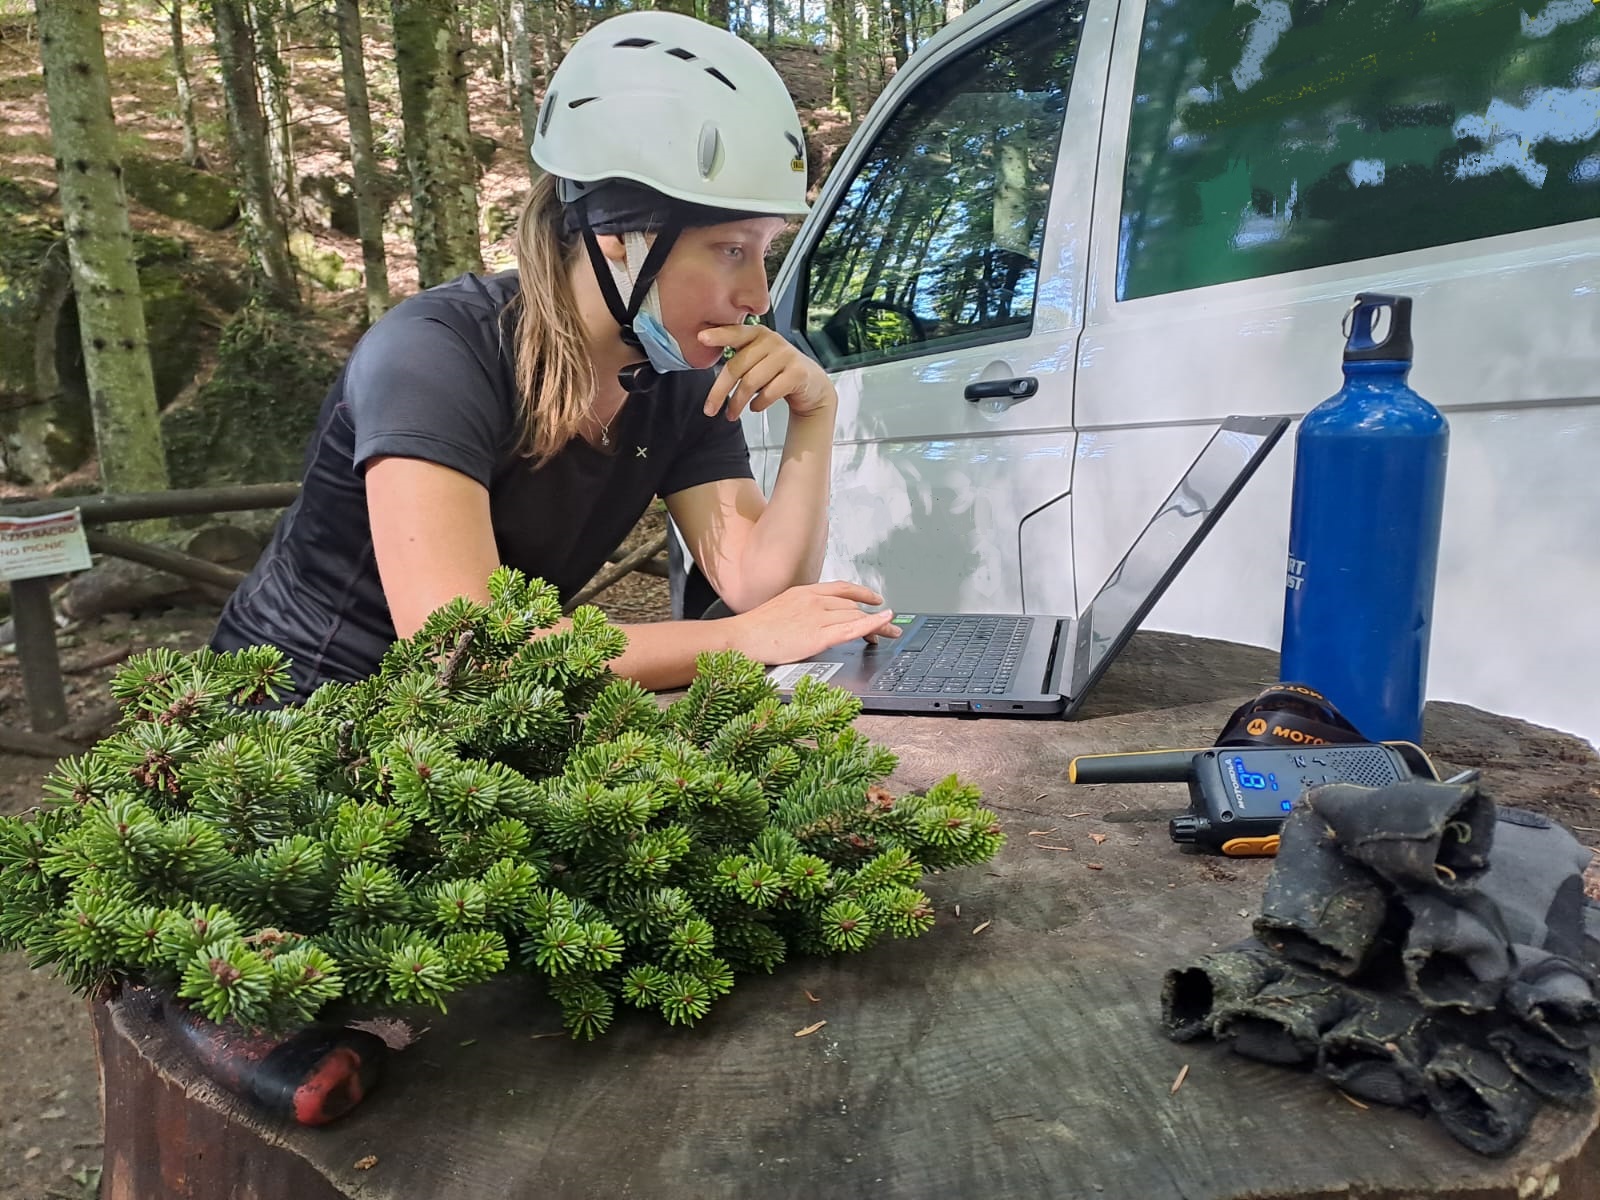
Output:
x=314 y=1075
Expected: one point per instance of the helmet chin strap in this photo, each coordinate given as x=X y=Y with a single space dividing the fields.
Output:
x=638 y=376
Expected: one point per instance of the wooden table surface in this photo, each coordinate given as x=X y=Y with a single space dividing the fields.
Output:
x=1022 y=1059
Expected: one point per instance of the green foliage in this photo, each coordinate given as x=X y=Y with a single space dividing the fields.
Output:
x=249 y=422
x=489 y=799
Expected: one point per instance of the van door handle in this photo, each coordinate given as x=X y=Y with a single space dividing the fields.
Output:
x=1003 y=389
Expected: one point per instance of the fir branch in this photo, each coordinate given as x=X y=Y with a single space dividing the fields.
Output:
x=490 y=792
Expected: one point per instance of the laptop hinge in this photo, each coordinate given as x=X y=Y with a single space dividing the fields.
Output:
x=1061 y=656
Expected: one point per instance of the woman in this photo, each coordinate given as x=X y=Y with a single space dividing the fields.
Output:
x=530 y=418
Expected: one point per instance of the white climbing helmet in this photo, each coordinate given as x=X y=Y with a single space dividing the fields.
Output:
x=679 y=106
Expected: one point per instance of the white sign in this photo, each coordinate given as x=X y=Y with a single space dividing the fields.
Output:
x=48 y=545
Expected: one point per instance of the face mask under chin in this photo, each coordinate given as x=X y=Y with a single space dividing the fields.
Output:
x=659 y=346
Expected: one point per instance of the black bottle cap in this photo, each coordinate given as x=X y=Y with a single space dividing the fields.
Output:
x=1396 y=345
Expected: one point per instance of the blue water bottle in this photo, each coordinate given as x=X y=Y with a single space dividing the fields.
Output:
x=1369 y=470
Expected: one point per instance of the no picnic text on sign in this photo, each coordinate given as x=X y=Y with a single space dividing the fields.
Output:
x=47 y=545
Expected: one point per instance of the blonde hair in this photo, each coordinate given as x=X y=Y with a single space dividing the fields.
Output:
x=555 y=375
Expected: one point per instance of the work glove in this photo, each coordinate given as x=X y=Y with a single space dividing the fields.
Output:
x=1591 y=934
x=1556 y=1072
x=1518 y=934
x=1191 y=995
x=1478 y=1098
x=1422 y=950
x=1554 y=996
x=1456 y=954
x=1416 y=835
x=1284 y=1021
x=1535 y=880
x=1320 y=908
x=1379 y=1050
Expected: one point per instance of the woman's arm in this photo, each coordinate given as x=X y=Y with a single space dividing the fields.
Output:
x=751 y=548
x=433 y=540
x=431 y=535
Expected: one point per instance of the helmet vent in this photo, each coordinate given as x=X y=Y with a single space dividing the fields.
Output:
x=545 y=113
x=579 y=103
x=721 y=78
x=680 y=52
x=799 y=149
x=635 y=43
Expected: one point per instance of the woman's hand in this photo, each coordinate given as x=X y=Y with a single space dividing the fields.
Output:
x=763 y=370
x=809 y=619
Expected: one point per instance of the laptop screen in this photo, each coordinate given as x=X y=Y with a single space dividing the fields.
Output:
x=1173 y=534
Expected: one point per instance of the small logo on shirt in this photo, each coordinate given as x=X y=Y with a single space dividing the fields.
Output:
x=641 y=451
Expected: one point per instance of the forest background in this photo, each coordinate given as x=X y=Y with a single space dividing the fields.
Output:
x=287 y=171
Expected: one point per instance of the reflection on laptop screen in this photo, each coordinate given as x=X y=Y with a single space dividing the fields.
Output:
x=1163 y=547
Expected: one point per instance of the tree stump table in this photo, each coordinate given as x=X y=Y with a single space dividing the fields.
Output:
x=1014 y=1051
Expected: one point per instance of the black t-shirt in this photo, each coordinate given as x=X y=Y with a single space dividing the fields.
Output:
x=435 y=379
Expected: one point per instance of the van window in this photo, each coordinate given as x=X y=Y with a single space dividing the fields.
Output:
x=1275 y=135
x=936 y=241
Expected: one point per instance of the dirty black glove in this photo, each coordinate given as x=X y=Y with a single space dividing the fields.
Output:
x=1416 y=834
x=1555 y=996
x=1478 y=1098
x=1378 y=1051
x=1285 y=1020
x=1591 y=934
x=1320 y=907
x=1456 y=953
x=1554 y=1071
x=1535 y=879
x=1518 y=934
x=1191 y=995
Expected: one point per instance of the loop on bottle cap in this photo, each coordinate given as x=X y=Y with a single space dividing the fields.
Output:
x=1349 y=315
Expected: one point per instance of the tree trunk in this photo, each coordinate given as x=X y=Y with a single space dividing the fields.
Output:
x=685 y=7
x=524 y=20
x=869 y=19
x=180 y=70
x=369 y=213
x=433 y=105
x=953 y=9
x=549 y=40
x=273 y=73
x=506 y=23
x=266 y=234
x=122 y=390
x=772 y=21
x=899 y=46
x=717 y=13
x=841 y=17
x=567 y=11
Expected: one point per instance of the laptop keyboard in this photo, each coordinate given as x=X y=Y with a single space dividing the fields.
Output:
x=968 y=655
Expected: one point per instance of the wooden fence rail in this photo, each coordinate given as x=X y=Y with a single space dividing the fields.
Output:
x=31 y=616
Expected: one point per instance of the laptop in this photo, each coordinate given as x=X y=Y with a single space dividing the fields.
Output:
x=999 y=664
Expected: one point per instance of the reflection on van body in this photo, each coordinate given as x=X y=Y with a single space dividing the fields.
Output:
x=1156 y=213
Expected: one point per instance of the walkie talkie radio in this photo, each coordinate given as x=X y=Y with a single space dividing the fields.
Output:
x=1240 y=795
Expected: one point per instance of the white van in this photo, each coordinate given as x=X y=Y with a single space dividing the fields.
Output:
x=1071 y=237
